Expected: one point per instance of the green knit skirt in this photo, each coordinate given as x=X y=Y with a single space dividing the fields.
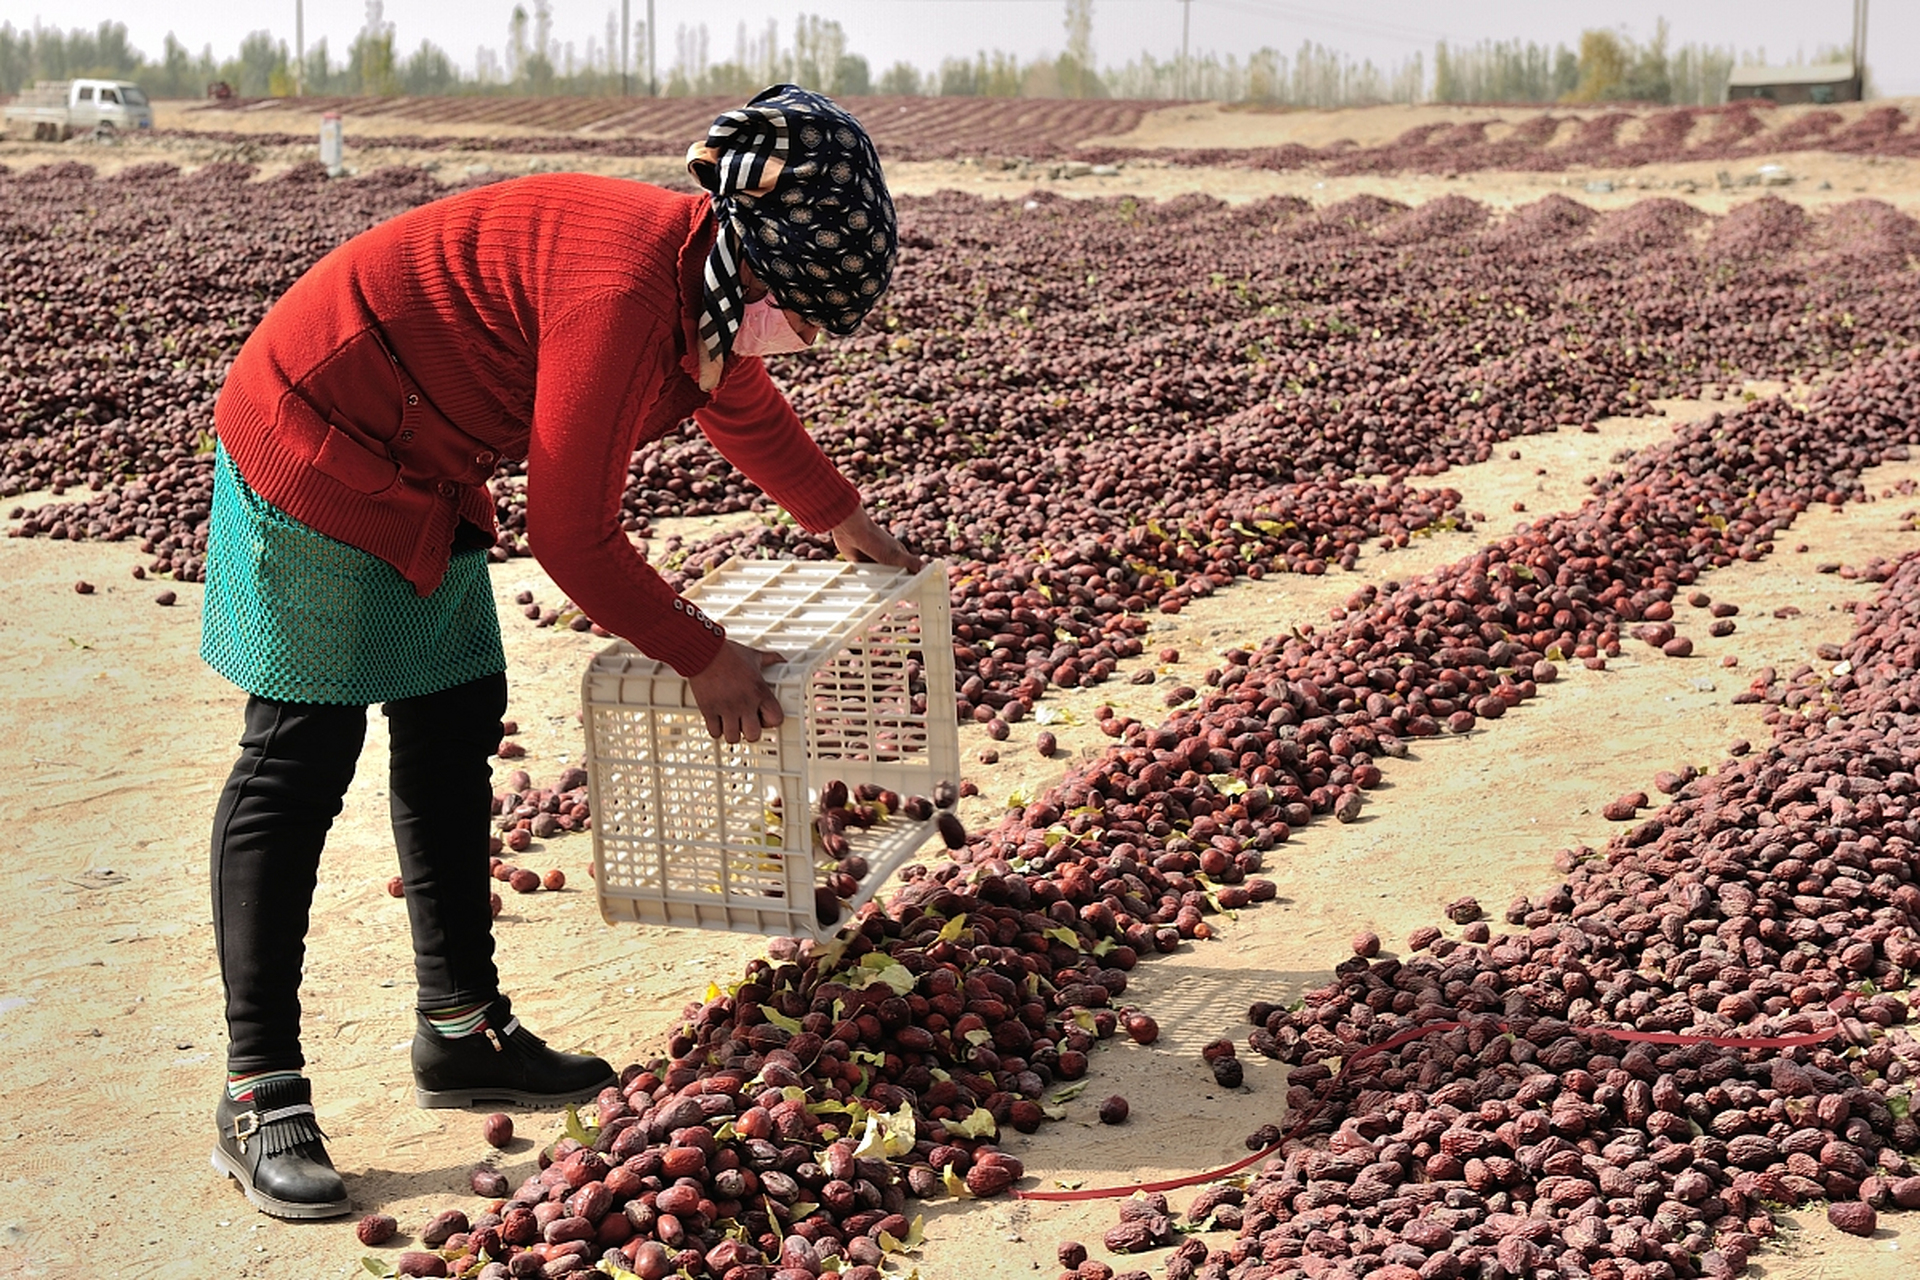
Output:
x=294 y=616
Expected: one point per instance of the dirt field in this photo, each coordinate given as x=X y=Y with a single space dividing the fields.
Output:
x=110 y=1012
x=1813 y=178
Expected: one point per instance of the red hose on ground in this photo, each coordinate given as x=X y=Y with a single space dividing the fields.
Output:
x=1394 y=1042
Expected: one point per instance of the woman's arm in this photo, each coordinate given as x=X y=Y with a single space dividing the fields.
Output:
x=754 y=427
x=752 y=424
x=861 y=539
x=601 y=367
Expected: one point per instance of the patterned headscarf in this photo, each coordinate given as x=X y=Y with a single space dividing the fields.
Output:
x=796 y=187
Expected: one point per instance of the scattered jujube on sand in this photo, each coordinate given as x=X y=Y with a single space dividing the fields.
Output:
x=488 y=1182
x=952 y=833
x=1853 y=1217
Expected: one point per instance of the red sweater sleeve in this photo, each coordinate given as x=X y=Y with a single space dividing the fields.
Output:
x=754 y=427
x=600 y=367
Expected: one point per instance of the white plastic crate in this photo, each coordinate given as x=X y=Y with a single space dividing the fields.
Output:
x=693 y=832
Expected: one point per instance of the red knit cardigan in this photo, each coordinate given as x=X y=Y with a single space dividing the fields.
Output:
x=550 y=318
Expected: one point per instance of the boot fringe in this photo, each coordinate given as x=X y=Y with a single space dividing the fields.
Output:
x=281 y=1136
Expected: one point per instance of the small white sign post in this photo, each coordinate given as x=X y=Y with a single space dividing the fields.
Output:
x=332 y=143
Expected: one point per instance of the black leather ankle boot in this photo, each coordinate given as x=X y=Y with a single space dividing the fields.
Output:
x=505 y=1063
x=271 y=1145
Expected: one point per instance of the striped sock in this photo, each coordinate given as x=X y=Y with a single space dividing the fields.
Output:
x=462 y=1020
x=240 y=1087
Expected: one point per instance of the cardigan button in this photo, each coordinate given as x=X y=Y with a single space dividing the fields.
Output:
x=412 y=398
x=406 y=437
x=446 y=488
x=484 y=458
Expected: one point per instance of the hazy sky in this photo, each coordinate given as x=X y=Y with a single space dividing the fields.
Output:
x=924 y=31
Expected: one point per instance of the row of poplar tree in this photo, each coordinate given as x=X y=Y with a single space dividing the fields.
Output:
x=1605 y=66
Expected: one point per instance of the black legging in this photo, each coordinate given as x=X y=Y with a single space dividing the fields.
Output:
x=296 y=760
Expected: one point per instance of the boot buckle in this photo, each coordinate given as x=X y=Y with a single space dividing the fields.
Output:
x=245 y=1125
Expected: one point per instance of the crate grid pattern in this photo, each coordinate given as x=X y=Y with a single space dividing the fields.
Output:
x=693 y=832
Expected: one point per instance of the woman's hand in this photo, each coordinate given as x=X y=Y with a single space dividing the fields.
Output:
x=862 y=541
x=732 y=694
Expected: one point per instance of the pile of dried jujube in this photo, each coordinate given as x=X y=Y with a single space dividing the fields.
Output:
x=1457 y=1153
x=541 y=813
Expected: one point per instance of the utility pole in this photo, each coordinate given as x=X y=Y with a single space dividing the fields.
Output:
x=626 y=32
x=1860 y=49
x=653 y=84
x=1186 y=23
x=299 y=49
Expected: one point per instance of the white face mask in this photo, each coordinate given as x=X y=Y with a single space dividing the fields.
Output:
x=764 y=331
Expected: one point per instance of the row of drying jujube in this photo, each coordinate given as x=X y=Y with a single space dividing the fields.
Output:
x=1774 y=897
x=1009 y=132
x=1548 y=143
x=988 y=978
x=1292 y=371
x=1024 y=353
x=1067 y=615
x=903 y=127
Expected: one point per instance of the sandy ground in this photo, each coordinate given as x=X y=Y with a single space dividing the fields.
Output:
x=110 y=1009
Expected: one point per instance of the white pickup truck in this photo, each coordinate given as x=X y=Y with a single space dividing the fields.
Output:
x=55 y=110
